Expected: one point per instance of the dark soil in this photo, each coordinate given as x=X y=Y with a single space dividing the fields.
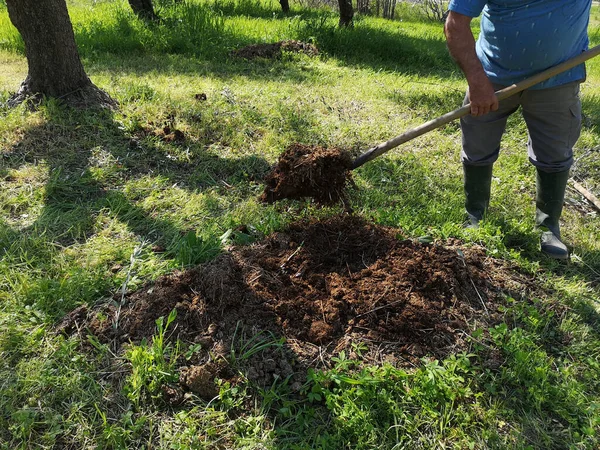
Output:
x=275 y=50
x=303 y=171
x=325 y=286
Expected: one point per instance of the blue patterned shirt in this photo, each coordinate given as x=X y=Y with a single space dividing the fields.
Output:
x=520 y=38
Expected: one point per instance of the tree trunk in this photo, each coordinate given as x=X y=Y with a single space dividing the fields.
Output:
x=54 y=66
x=346 y=13
x=143 y=9
x=285 y=6
x=388 y=8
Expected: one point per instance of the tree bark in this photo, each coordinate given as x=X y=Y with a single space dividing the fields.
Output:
x=54 y=65
x=143 y=9
x=346 y=13
x=388 y=8
x=285 y=6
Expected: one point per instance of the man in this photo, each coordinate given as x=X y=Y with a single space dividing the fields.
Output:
x=520 y=38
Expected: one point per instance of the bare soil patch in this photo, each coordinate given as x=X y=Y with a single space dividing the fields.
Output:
x=274 y=50
x=324 y=286
x=304 y=171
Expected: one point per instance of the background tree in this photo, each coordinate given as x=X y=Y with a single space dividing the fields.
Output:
x=54 y=65
x=346 y=13
x=143 y=9
x=436 y=10
x=389 y=7
x=285 y=5
x=363 y=6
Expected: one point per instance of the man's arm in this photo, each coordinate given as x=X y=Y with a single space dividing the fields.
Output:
x=461 y=44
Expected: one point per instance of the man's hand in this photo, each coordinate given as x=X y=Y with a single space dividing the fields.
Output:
x=461 y=44
x=482 y=96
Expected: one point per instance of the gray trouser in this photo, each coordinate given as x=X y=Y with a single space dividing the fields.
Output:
x=553 y=118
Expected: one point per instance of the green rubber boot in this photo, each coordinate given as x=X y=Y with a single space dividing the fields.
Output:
x=478 y=183
x=549 y=203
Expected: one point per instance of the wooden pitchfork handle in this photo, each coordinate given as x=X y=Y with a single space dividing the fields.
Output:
x=384 y=147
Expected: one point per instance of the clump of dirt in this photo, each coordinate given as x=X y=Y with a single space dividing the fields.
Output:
x=321 y=286
x=304 y=171
x=169 y=134
x=275 y=50
x=165 y=131
x=201 y=379
x=166 y=134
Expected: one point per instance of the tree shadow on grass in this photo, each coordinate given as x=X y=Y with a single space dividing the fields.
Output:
x=586 y=168
x=584 y=263
x=546 y=374
x=590 y=105
x=88 y=163
x=391 y=48
x=587 y=309
x=261 y=11
x=183 y=49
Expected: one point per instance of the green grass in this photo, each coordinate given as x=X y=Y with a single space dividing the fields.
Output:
x=84 y=197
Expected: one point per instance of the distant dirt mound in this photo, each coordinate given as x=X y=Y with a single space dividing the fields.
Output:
x=303 y=171
x=322 y=285
x=274 y=50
